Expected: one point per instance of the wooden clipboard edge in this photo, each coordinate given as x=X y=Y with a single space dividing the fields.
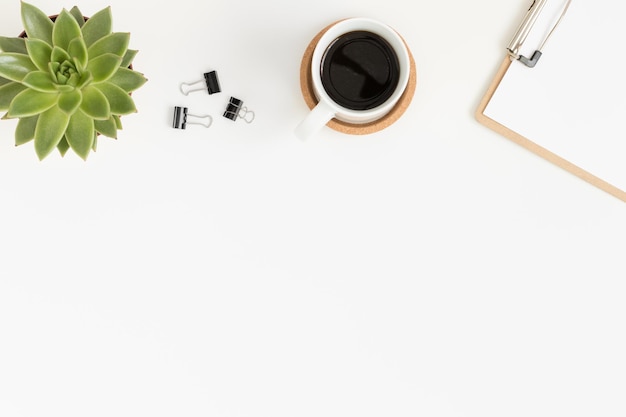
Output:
x=532 y=146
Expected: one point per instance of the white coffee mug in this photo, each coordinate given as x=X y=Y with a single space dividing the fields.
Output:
x=327 y=108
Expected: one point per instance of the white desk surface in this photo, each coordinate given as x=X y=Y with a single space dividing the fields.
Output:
x=432 y=269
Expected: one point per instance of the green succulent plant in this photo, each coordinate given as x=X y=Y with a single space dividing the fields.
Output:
x=67 y=80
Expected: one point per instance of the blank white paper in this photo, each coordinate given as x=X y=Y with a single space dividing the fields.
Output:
x=573 y=103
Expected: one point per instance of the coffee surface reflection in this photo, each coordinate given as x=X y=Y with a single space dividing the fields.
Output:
x=360 y=70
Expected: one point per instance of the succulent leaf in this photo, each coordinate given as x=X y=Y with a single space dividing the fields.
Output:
x=127 y=79
x=15 y=67
x=40 y=81
x=51 y=127
x=54 y=67
x=31 y=102
x=13 y=45
x=65 y=29
x=103 y=67
x=119 y=100
x=85 y=79
x=39 y=52
x=77 y=15
x=59 y=55
x=8 y=93
x=118 y=122
x=63 y=146
x=63 y=88
x=74 y=80
x=98 y=26
x=70 y=101
x=36 y=23
x=80 y=133
x=78 y=51
x=25 y=130
x=95 y=103
x=128 y=58
x=115 y=43
x=107 y=127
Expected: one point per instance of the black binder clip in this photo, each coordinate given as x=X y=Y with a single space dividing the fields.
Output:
x=211 y=84
x=180 y=119
x=235 y=109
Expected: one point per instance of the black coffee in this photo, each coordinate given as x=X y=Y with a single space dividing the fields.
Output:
x=360 y=70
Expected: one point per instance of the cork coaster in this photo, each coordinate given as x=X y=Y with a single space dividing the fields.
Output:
x=306 y=85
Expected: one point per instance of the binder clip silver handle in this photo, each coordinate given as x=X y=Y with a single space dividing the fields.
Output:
x=209 y=83
x=181 y=115
x=235 y=109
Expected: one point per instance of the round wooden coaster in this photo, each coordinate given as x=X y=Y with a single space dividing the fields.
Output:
x=306 y=85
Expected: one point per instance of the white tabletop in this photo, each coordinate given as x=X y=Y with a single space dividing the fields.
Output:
x=431 y=269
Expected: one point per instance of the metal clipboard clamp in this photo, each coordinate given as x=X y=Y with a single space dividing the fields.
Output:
x=524 y=29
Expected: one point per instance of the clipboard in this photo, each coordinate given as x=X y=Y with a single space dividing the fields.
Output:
x=549 y=145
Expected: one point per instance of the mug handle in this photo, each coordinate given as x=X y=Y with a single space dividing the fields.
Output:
x=315 y=120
